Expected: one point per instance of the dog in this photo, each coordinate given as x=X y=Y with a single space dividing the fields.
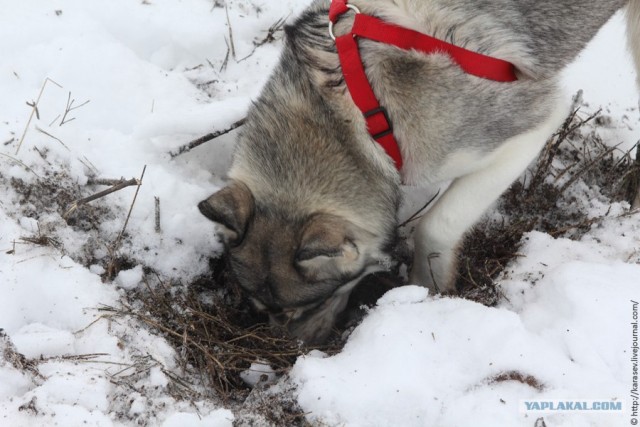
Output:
x=311 y=205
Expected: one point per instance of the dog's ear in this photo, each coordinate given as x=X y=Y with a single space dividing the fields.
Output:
x=328 y=248
x=231 y=207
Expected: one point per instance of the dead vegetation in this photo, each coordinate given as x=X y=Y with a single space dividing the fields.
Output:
x=546 y=200
x=217 y=336
x=10 y=355
x=56 y=199
x=55 y=192
x=219 y=339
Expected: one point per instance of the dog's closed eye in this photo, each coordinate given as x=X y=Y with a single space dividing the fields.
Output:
x=348 y=250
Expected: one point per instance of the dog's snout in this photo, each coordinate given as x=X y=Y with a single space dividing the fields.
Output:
x=281 y=318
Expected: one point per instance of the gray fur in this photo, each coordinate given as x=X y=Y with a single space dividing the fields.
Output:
x=311 y=168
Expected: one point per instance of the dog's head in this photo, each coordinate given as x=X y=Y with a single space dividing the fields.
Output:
x=298 y=269
x=311 y=206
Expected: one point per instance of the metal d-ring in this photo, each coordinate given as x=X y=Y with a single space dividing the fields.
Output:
x=350 y=6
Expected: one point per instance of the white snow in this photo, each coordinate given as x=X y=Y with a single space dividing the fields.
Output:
x=432 y=362
x=129 y=279
x=258 y=372
x=219 y=418
x=155 y=76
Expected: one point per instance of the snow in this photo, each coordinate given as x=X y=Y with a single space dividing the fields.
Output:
x=432 y=362
x=219 y=418
x=155 y=76
x=129 y=279
x=258 y=372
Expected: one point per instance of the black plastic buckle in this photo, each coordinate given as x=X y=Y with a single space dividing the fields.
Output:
x=386 y=117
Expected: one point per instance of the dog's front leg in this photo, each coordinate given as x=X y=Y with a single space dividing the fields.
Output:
x=440 y=231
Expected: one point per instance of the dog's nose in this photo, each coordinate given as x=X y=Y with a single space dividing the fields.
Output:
x=205 y=209
x=282 y=317
x=265 y=297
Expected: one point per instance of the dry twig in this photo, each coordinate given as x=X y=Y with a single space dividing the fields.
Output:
x=13 y=159
x=34 y=110
x=116 y=244
x=53 y=137
x=196 y=142
x=157 y=216
x=231 y=45
x=116 y=187
x=107 y=181
x=269 y=38
x=69 y=108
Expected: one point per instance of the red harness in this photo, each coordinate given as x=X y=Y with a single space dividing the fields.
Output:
x=372 y=28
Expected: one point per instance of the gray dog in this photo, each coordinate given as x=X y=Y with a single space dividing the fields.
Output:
x=311 y=205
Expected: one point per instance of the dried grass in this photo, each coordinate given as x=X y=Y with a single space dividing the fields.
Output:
x=213 y=329
x=543 y=201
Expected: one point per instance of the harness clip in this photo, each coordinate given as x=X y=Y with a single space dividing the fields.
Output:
x=350 y=6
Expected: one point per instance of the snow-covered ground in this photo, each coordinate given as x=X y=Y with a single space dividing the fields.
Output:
x=158 y=73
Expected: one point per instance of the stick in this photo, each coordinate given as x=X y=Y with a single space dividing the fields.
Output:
x=196 y=142
x=34 y=110
x=75 y=205
x=270 y=37
x=88 y=164
x=69 y=108
x=20 y=163
x=105 y=181
x=586 y=167
x=133 y=202
x=545 y=159
x=158 y=229
x=226 y=57
x=39 y=129
x=233 y=48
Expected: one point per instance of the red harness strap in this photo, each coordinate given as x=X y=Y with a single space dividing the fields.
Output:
x=378 y=123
